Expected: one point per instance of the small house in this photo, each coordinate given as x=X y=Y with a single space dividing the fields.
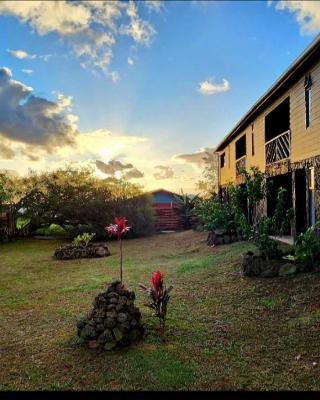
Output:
x=166 y=206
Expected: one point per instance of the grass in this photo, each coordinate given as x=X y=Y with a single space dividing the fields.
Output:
x=224 y=331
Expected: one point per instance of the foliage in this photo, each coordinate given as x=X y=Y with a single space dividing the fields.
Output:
x=282 y=215
x=215 y=215
x=187 y=204
x=268 y=248
x=75 y=197
x=208 y=185
x=118 y=229
x=84 y=239
x=307 y=246
x=52 y=230
x=22 y=222
x=159 y=297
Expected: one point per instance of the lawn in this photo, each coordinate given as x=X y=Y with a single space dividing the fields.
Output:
x=224 y=331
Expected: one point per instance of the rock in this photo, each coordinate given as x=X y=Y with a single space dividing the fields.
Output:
x=254 y=265
x=110 y=345
x=111 y=327
x=122 y=317
x=118 y=335
x=287 y=269
x=109 y=323
x=88 y=332
x=93 y=344
x=219 y=240
x=226 y=239
x=71 y=251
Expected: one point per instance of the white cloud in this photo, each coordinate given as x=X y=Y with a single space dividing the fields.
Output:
x=153 y=5
x=208 y=87
x=140 y=30
x=130 y=61
x=307 y=13
x=90 y=28
x=21 y=54
x=27 y=71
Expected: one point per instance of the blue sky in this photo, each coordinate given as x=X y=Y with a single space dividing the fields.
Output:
x=180 y=76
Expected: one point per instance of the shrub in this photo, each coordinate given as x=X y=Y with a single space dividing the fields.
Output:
x=52 y=230
x=307 y=246
x=83 y=240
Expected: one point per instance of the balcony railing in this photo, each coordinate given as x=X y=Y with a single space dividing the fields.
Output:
x=240 y=164
x=278 y=148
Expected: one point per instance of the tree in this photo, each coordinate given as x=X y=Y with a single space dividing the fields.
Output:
x=208 y=185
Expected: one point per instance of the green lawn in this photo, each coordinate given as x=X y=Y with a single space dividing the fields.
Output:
x=224 y=331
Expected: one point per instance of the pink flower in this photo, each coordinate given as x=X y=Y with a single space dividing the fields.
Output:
x=119 y=228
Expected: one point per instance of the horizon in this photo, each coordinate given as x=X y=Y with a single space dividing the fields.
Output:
x=114 y=86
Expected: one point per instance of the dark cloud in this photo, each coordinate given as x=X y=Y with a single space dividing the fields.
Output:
x=133 y=173
x=163 y=172
x=198 y=158
x=30 y=119
x=128 y=170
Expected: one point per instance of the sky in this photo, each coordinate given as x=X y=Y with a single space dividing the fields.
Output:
x=140 y=90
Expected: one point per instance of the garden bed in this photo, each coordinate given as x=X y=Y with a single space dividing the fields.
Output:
x=71 y=251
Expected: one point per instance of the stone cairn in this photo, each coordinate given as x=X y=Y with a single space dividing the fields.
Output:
x=114 y=320
x=71 y=251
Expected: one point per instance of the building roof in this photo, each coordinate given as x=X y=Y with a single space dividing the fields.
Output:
x=164 y=191
x=298 y=67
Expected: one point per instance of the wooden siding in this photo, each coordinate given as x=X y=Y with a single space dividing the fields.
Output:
x=305 y=142
x=167 y=217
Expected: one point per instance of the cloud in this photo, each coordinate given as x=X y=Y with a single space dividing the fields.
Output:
x=89 y=28
x=133 y=173
x=130 y=61
x=208 y=87
x=27 y=118
x=153 y=5
x=163 y=172
x=27 y=71
x=21 y=54
x=6 y=151
x=140 y=30
x=307 y=14
x=118 y=169
x=198 y=159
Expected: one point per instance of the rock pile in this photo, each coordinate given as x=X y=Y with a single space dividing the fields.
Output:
x=218 y=237
x=255 y=265
x=114 y=320
x=71 y=251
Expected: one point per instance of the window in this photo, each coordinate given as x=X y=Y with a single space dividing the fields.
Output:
x=222 y=160
x=241 y=147
x=307 y=96
x=252 y=139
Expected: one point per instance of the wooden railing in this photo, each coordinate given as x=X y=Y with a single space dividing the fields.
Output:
x=240 y=164
x=278 y=148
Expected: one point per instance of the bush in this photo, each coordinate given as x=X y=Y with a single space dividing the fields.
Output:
x=83 y=240
x=52 y=230
x=307 y=247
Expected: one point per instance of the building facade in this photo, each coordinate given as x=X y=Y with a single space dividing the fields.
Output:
x=280 y=135
x=166 y=207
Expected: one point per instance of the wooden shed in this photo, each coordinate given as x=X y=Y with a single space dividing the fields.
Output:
x=166 y=206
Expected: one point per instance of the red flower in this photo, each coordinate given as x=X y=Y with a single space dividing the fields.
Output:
x=120 y=227
x=156 y=281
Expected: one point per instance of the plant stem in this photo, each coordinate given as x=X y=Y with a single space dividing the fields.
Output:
x=121 y=260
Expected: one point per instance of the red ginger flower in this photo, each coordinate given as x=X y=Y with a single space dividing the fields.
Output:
x=119 y=229
x=157 y=281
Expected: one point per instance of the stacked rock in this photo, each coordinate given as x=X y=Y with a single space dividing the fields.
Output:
x=114 y=320
x=71 y=251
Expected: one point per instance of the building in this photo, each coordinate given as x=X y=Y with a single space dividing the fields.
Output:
x=280 y=134
x=166 y=206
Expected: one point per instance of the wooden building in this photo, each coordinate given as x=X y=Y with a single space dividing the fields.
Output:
x=7 y=226
x=166 y=206
x=280 y=134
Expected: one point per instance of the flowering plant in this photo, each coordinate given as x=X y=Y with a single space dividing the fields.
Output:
x=159 y=297
x=119 y=229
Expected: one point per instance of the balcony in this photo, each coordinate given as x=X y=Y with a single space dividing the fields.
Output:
x=278 y=148
x=240 y=164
